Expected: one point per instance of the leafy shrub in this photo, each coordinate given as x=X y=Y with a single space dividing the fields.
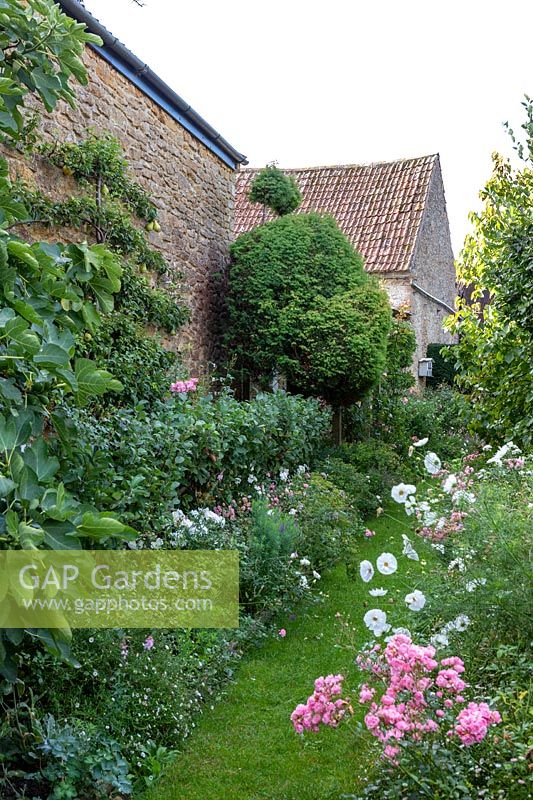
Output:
x=299 y=277
x=142 y=697
x=272 y=188
x=489 y=579
x=495 y=349
x=81 y=761
x=330 y=527
x=356 y=484
x=376 y=460
x=267 y=573
x=190 y=452
x=443 y=364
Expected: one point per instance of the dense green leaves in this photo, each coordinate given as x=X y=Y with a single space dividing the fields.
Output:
x=275 y=190
x=494 y=356
x=299 y=302
x=41 y=53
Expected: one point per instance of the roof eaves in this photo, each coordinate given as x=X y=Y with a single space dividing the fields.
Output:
x=151 y=84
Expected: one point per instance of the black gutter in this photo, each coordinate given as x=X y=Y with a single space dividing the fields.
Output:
x=146 y=79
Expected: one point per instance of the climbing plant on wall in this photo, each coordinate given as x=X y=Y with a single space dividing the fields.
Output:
x=108 y=209
x=50 y=296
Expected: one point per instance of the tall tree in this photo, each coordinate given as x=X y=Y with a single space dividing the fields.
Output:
x=495 y=350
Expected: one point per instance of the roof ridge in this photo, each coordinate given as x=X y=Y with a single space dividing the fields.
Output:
x=430 y=156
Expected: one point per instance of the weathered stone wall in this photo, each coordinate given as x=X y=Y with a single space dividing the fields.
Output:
x=399 y=290
x=432 y=268
x=191 y=187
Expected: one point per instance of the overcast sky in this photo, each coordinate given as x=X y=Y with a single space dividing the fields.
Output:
x=308 y=83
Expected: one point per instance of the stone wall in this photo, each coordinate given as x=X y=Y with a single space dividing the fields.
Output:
x=432 y=268
x=191 y=187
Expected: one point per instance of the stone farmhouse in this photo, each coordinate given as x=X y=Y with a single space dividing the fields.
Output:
x=395 y=215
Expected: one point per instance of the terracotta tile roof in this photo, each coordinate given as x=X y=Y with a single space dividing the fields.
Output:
x=378 y=206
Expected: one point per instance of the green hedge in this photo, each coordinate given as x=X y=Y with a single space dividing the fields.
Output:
x=443 y=364
x=192 y=451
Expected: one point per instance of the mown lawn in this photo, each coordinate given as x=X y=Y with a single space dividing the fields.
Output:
x=246 y=748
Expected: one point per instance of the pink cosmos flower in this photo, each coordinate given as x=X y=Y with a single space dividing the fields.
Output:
x=148 y=643
x=282 y=632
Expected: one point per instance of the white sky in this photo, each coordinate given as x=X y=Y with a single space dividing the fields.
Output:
x=308 y=83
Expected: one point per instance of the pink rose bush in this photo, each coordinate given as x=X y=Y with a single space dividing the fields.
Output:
x=473 y=722
x=183 y=387
x=420 y=696
x=409 y=693
x=324 y=707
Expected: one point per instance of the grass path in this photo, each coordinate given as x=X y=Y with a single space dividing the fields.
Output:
x=246 y=749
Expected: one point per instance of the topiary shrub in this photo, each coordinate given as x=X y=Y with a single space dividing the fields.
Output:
x=275 y=190
x=300 y=302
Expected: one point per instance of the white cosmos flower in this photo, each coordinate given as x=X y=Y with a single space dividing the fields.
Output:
x=449 y=484
x=439 y=640
x=387 y=564
x=421 y=442
x=462 y=496
x=366 y=571
x=305 y=562
x=377 y=592
x=432 y=463
x=284 y=474
x=376 y=621
x=316 y=575
x=304 y=582
x=410 y=505
x=461 y=623
x=429 y=518
x=396 y=631
x=471 y=585
x=408 y=549
x=510 y=447
x=415 y=600
x=401 y=492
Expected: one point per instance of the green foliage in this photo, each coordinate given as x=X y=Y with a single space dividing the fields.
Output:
x=360 y=487
x=378 y=461
x=429 y=771
x=495 y=547
x=135 y=355
x=99 y=158
x=266 y=573
x=82 y=761
x=495 y=349
x=144 y=699
x=275 y=190
x=145 y=367
x=190 y=452
x=485 y=576
x=443 y=364
x=41 y=53
x=49 y=295
x=329 y=523
x=300 y=302
x=401 y=346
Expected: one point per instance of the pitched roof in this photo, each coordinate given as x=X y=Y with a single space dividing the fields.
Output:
x=151 y=84
x=379 y=206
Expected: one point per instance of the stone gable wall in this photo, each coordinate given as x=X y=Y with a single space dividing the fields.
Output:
x=191 y=187
x=432 y=268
